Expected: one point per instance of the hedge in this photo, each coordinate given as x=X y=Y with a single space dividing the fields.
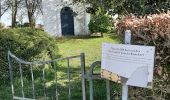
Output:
x=152 y=30
x=26 y=43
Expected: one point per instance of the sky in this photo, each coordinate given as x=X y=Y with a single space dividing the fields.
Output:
x=6 y=19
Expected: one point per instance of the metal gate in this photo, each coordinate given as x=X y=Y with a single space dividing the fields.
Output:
x=46 y=80
x=110 y=90
x=50 y=80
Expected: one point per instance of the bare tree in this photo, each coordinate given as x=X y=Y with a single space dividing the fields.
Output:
x=3 y=7
x=14 y=5
x=32 y=6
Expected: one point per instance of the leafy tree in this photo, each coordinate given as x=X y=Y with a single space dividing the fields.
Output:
x=138 y=7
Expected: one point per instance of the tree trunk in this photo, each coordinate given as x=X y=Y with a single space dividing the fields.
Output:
x=14 y=13
x=31 y=19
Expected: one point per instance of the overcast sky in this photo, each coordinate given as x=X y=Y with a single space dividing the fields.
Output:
x=6 y=19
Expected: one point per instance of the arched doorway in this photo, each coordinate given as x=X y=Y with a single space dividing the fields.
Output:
x=67 y=21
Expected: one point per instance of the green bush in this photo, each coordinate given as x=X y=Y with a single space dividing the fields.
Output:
x=100 y=22
x=26 y=43
x=26 y=24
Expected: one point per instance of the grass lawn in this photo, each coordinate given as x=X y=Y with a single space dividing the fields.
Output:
x=92 y=49
x=90 y=46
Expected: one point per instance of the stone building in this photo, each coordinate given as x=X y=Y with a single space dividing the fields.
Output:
x=63 y=18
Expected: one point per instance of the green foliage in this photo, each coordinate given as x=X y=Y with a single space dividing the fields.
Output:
x=137 y=7
x=100 y=22
x=26 y=43
x=141 y=7
x=26 y=24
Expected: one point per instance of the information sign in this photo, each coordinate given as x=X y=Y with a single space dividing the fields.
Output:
x=130 y=64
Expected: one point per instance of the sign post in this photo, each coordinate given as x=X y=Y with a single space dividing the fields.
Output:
x=128 y=64
x=124 y=91
x=125 y=87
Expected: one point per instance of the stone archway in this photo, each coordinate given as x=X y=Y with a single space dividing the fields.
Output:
x=67 y=21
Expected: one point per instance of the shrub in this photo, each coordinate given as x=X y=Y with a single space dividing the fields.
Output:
x=2 y=25
x=26 y=24
x=152 y=30
x=26 y=43
x=100 y=22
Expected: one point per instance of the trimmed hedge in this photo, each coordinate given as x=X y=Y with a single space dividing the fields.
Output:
x=26 y=43
x=152 y=30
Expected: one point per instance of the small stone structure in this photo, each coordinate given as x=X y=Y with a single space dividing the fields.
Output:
x=63 y=17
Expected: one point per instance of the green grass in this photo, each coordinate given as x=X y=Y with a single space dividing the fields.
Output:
x=90 y=46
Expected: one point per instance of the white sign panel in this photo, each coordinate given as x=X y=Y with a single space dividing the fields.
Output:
x=131 y=64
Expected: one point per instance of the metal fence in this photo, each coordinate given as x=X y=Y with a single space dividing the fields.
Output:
x=59 y=79
x=111 y=91
x=47 y=80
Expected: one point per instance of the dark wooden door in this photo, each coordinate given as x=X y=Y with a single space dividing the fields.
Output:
x=67 y=21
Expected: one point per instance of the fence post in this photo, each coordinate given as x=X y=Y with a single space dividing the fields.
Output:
x=68 y=75
x=125 y=87
x=108 y=89
x=91 y=86
x=11 y=74
x=128 y=36
x=82 y=59
x=56 y=86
